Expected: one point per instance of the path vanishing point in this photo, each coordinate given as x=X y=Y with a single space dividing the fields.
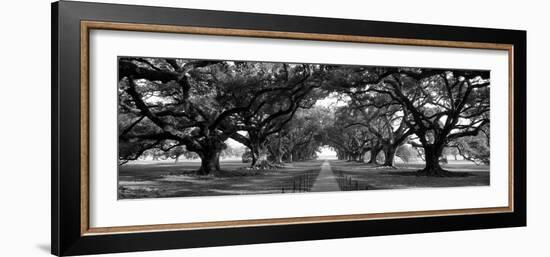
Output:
x=326 y=181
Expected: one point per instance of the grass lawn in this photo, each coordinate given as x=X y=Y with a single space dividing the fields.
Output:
x=168 y=179
x=359 y=176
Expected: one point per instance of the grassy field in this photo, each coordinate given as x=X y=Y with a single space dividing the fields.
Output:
x=168 y=179
x=357 y=176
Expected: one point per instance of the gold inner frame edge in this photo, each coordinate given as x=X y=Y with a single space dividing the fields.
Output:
x=86 y=26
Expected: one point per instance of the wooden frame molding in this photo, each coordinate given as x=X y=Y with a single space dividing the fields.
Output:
x=74 y=233
x=85 y=28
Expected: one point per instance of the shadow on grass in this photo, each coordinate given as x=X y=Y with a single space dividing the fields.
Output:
x=407 y=176
x=448 y=174
x=350 y=182
x=160 y=181
x=303 y=182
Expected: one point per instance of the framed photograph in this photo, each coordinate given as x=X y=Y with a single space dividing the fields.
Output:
x=178 y=128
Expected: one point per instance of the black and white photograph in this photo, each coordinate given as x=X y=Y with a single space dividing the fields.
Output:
x=198 y=127
x=275 y=128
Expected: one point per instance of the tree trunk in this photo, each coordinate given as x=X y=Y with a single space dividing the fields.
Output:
x=279 y=155
x=373 y=154
x=218 y=161
x=210 y=154
x=279 y=158
x=362 y=156
x=210 y=162
x=262 y=162
x=253 y=162
x=432 y=154
x=259 y=158
x=389 y=155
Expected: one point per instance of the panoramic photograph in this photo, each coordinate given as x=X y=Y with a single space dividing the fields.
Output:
x=195 y=127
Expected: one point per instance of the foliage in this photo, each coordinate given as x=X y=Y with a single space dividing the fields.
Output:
x=178 y=107
x=406 y=152
x=472 y=148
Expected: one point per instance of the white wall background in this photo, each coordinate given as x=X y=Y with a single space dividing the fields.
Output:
x=25 y=127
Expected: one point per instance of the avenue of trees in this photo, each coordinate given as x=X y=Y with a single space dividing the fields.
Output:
x=190 y=108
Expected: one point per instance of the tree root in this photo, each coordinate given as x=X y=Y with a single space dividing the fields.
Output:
x=386 y=167
x=438 y=173
x=201 y=172
x=266 y=166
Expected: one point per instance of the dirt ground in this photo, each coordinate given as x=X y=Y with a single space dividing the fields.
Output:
x=168 y=179
x=357 y=176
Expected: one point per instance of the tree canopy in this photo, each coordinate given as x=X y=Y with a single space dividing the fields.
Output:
x=182 y=107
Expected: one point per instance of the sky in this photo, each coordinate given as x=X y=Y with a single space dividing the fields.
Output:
x=327 y=153
x=330 y=100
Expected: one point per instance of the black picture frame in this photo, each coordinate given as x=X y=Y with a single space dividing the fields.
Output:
x=66 y=233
